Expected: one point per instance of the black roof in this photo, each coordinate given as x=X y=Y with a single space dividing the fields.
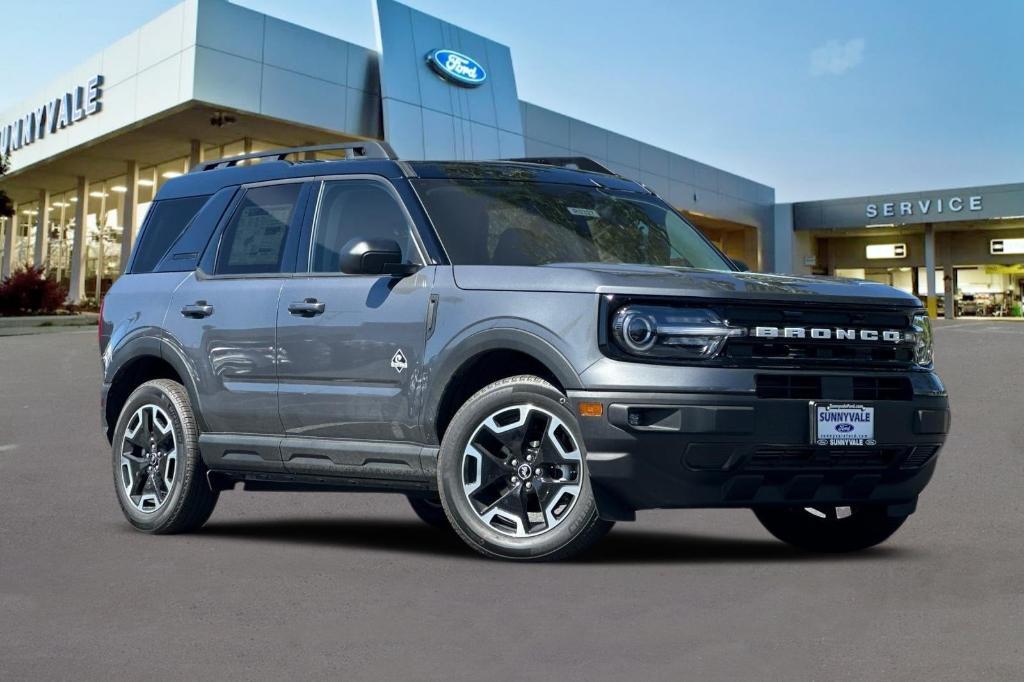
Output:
x=376 y=158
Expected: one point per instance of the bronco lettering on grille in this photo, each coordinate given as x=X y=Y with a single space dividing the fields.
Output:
x=825 y=333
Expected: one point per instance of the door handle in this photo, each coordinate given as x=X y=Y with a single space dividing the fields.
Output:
x=307 y=308
x=197 y=310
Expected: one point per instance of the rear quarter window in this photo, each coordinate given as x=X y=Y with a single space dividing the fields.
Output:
x=165 y=222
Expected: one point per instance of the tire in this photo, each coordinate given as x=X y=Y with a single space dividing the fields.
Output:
x=430 y=511
x=830 y=529
x=488 y=478
x=162 y=487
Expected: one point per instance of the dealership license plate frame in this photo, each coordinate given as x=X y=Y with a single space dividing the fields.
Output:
x=862 y=434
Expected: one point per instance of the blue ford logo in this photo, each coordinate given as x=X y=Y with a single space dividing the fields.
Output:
x=844 y=428
x=457 y=67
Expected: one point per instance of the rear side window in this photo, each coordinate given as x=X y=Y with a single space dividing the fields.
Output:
x=254 y=240
x=165 y=222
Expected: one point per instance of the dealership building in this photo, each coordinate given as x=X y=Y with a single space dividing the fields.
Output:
x=209 y=79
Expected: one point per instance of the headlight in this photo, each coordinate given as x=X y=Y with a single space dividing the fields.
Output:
x=924 y=355
x=653 y=331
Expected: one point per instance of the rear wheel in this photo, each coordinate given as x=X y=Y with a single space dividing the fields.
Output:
x=159 y=475
x=830 y=529
x=430 y=511
x=512 y=474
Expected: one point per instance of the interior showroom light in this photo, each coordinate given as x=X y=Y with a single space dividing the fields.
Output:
x=882 y=251
x=1000 y=246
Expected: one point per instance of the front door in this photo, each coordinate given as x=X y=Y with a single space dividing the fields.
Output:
x=351 y=346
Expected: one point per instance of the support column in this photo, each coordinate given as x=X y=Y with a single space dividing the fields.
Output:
x=76 y=292
x=129 y=212
x=782 y=240
x=948 y=275
x=195 y=154
x=7 y=262
x=929 y=264
x=42 y=229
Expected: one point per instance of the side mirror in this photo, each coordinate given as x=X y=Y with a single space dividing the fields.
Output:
x=375 y=257
x=743 y=267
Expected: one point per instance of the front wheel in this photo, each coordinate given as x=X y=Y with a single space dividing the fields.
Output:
x=512 y=474
x=830 y=529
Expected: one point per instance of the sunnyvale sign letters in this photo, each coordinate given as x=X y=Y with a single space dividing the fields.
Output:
x=53 y=116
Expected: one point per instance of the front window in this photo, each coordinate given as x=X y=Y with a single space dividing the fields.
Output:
x=501 y=222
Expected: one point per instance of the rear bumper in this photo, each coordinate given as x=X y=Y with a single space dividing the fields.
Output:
x=673 y=450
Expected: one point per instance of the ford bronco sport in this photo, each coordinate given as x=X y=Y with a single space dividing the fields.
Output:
x=529 y=350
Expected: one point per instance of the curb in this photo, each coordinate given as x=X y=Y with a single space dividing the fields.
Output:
x=33 y=321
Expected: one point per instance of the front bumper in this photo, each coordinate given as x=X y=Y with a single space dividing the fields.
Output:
x=674 y=450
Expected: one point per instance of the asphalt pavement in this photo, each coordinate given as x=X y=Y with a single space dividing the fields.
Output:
x=354 y=587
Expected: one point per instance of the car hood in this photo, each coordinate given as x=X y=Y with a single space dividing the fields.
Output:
x=645 y=280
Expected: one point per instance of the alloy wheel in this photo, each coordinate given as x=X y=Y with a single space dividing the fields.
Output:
x=149 y=458
x=522 y=470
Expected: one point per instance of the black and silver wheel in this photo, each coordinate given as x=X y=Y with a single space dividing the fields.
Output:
x=830 y=529
x=159 y=475
x=512 y=474
x=430 y=511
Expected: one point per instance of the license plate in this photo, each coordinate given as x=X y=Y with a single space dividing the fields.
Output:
x=840 y=424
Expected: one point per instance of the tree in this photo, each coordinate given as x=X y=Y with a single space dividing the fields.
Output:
x=6 y=205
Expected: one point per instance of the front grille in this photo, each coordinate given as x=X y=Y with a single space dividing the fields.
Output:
x=882 y=388
x=811 y=387
x=767 y=352
x=810 y=457
x=788 y=386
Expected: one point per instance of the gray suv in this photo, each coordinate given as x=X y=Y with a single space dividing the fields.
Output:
x=529 y=350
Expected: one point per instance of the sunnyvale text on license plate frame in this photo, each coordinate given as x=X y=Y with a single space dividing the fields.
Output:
x=842 y=424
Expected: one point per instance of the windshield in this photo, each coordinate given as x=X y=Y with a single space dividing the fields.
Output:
x=503 y=222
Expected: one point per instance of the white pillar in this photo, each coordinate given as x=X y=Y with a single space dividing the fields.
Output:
x=929 y=264
x=78 y=251
x=11 y=225
x=129 y=212
x=42 y=229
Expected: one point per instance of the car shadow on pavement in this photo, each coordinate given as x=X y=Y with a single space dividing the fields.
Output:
x=619 y=547
x=376 y=534
x=647 y=547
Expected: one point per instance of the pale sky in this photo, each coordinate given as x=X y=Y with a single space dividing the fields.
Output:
x=816 y=98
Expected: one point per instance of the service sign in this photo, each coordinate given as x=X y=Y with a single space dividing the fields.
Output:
x=457 y=67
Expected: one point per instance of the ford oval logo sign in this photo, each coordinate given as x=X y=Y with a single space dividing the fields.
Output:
x=457 y=67
x=844 y=428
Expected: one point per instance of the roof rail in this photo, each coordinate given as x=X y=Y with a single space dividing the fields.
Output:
x=582 y=163
x=364 y=149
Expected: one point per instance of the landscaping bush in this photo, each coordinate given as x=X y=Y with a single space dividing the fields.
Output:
x=28 y=291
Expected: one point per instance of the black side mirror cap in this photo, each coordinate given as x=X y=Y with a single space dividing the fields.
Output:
x=740 y=265
x=375 y=257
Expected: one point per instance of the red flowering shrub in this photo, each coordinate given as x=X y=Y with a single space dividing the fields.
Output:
x=28 y=291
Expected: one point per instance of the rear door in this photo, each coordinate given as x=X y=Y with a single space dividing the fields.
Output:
x=223 y=317
x=351 y=346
